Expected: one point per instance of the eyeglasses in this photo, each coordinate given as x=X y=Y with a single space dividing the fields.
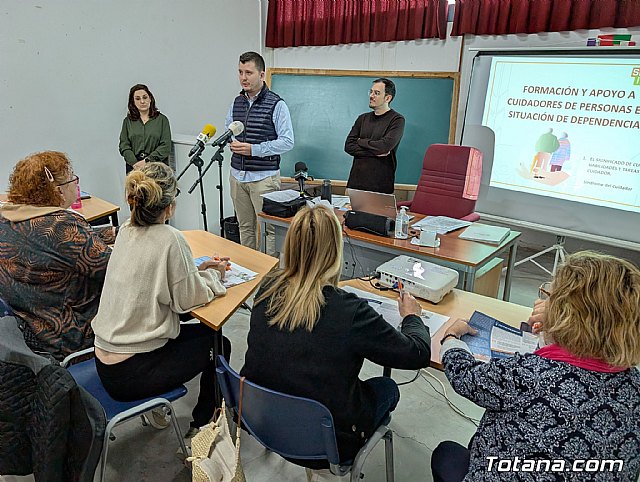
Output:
x=375 y=92
x=544 y=292
x=177 y=192
x=75 y=179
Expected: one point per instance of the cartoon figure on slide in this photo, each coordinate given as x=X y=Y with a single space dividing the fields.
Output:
x=551 y=154
x=546 y=145
x=562 y=154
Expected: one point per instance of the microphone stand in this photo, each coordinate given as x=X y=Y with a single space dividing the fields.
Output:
x=197 y=161
x=217 y=157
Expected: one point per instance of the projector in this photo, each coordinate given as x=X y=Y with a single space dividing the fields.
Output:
x=423 y=280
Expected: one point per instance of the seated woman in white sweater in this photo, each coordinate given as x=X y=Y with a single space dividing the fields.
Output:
x=142 y=350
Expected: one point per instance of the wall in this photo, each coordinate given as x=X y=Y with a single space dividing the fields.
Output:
x=452 y=54
x=66 y=68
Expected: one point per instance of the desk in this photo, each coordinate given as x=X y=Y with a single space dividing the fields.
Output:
x=92 y=209
x=457 y=304
x=203 y=243
x=218 y=311
x=370 y=251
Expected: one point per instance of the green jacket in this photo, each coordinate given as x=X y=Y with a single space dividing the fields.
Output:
x=152 y=138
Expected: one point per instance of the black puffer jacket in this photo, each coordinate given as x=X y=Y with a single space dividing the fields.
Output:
x=48 y=425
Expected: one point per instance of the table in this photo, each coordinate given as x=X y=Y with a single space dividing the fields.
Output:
x=457 y=304
x=93 y=208
x=370 y=251
x=218 y=311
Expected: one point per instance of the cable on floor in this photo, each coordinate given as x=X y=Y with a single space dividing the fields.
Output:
x=410 y=381
x=443 y=394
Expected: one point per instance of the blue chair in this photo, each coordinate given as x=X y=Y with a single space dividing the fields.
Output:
x=86 y=376
x=5 y=309
x=295 y=427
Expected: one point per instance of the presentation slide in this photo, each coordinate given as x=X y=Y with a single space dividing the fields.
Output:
x=566 y=128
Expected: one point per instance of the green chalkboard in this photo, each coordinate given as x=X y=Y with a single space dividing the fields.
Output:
x=325 y=104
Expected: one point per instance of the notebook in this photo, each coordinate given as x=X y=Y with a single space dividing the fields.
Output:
x=485 y=233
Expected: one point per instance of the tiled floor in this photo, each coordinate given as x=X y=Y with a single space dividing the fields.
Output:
x=423 y=419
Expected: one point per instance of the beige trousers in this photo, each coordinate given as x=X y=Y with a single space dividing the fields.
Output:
x=248 y=203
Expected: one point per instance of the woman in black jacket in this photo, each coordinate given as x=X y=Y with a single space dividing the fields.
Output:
x=309 y=338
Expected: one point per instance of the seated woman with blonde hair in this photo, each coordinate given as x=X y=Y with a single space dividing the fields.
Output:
x=52 y=262
x=142 y=350
x=309 y=338
x=570 y=405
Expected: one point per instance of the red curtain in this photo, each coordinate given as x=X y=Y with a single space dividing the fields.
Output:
x=293 y=23
x=497 y=17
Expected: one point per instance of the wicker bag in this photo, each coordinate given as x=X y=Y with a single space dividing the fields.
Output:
x=215 y=458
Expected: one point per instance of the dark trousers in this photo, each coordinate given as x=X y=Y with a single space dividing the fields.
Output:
x=449 y=462
x=178 y=361
x=387 y=397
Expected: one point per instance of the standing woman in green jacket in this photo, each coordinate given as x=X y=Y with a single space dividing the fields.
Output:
x=145 y=135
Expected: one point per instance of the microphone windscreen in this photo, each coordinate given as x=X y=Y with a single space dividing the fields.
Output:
x=300 y=166
x=236 y=127
x=209 y=130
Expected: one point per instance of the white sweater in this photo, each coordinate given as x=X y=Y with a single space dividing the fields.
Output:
x=151 y=278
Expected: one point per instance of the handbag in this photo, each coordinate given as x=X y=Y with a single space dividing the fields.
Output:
x=215 y=457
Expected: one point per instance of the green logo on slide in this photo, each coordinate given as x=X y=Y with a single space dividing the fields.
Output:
x=635 y=73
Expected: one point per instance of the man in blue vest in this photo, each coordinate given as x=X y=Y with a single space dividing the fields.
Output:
x=255 y=160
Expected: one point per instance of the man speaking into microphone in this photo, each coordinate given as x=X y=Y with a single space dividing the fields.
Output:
x=255 y=160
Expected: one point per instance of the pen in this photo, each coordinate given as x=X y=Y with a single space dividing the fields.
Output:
x=400 y=289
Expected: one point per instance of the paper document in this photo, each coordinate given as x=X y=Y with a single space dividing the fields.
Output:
x=496 y=339
x=388 y=309
x=282 y=196
x=319 y=202
x=235 y=276
x=339 y=201
x=336 y=201
x=440 y=224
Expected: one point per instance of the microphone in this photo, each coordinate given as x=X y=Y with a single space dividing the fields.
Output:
x=207 y=133
x=235 y=128
x=301 y=175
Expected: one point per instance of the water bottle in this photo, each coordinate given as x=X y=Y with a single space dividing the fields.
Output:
x=402 y=224
x=78 y=202
x=325 y=191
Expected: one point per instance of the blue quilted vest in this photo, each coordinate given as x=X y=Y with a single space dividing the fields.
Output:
x=258 y=128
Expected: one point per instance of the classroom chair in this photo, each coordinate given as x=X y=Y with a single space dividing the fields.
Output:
x=5 y=309
x=449 y=183
x=86 y=376
x=295 y=427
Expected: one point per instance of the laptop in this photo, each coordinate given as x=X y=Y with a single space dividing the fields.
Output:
x=373 y=202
